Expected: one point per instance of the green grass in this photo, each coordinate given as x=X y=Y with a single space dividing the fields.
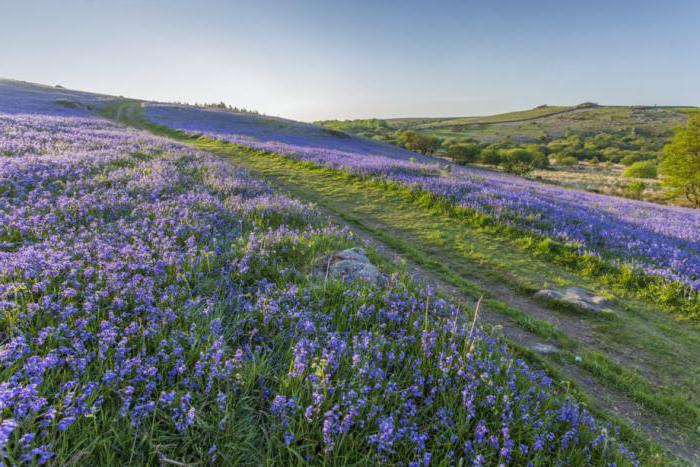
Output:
x=461 y=253
x=655 y=123
x=688 y=110
x=517 y=116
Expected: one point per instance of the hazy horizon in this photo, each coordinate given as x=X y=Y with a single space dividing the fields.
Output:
x=312 y=60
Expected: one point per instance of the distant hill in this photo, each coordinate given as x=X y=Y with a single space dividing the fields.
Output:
x=537 y=112
x=537 y=125
x=532 y=125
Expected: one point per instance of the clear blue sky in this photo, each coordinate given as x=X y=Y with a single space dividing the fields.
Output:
x=345 y=59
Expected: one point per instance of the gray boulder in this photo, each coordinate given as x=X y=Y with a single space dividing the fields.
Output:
x=353 y=264
x=577 y=296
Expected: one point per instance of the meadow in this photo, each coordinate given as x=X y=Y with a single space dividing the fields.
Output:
x=159 y=304
x=635 y=354
x=650 y=247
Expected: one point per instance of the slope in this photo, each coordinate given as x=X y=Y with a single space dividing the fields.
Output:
x=629 y=363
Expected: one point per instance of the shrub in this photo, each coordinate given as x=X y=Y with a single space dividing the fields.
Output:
x=463 y=153
x=521 y=160
x=491 y=156
x=635 y=190
x=641 y=169
x=519 y=155
x=419 y=142
x=631 y=159
x=568 y=161
x=518 y=168
x=540 y=160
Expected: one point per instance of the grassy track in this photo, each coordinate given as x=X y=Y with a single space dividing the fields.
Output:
x=639 y=364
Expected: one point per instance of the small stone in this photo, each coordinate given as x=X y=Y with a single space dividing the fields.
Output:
x=577 y=296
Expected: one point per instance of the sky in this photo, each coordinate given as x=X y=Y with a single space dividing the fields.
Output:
x=326 y=59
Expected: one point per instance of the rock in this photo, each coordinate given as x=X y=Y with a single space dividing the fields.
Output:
x=577 y=296
x=545 y=349
x=353 y=264
x=353 y=254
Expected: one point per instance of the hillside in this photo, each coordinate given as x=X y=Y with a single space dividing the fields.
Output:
x=531 y=114
x=534 y=124
x=586 y=147
x=167 y=270
x=555 y=122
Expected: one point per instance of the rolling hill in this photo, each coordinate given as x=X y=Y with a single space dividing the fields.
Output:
x=536 y=124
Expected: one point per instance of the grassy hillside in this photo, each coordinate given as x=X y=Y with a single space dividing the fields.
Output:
x=480 y=259
x=538 y=112
x=161 y=306
x=649 y=121
x=325 y=371
x=434 y=123
x=533 y=124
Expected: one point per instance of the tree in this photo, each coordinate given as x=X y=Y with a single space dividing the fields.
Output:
x=517 y=161
x=420 y=142
x=519 y=155
x=463 y=153
x=680 y=167
x=491 y=156
x=641 y=169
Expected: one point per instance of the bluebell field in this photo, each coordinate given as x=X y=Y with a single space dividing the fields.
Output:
x=660 y=241
x=158 y=304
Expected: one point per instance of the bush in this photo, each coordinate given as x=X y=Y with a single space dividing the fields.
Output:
x=641 y=169
x=568 y=161
x=521 y=160
x=420 y=142
x=522 y=156
x=463 y=153
x=631 y=159
x=518 y=168
x=491 y=156
x=540 y=160
x=635 y=189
